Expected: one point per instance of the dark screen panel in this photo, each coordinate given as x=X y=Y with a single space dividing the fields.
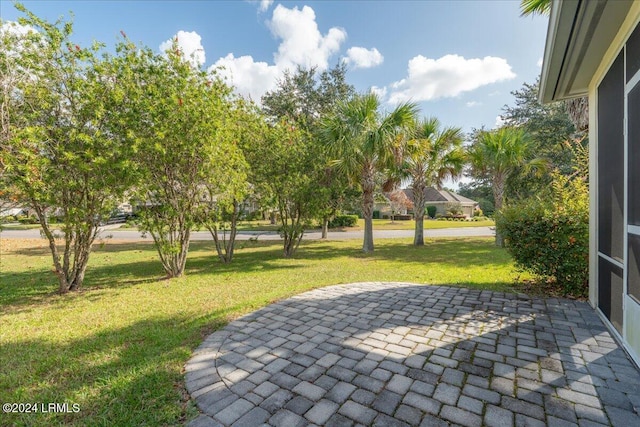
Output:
x=610 y=287
x=611 y=160
x=633 y=123
x=633 y=274
x=633 y=53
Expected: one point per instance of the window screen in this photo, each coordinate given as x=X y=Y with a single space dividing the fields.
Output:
x=611 y=161
x=633 y=274
x=633 y=123
x=633 y=53
x=610 y=292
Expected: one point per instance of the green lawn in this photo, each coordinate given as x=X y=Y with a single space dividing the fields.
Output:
x=378 y=224
x=386 y=224
x=16 y=226
x=118 y=347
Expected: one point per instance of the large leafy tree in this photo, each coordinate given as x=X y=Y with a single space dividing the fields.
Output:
x=303 y=97
x=219 y=209
x=549 y=127
x=179 y=117
x=281 y=161
x=363 y=141
x=431 y=154
x=498 y=155
x=61 y=151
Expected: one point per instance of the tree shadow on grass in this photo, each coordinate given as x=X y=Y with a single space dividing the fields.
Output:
x=141 y=265
x=469 y=252
x=129 y=375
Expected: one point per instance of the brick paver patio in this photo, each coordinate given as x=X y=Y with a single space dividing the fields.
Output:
x=397 y=354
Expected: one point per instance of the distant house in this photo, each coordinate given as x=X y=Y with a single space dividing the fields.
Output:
x=593 y=49
x=8 y=208
x=444 y=200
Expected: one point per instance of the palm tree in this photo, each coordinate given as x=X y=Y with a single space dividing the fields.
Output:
x=498 y=154
x=364 y=142
x=430 y=156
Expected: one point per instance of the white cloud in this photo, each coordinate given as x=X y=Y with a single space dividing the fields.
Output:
x=15 y=28
x=380 y=91
x=448 y=76
x=364 y=58
x=249 y=77
x=539 y=63
x=190 y=44
x=471 y=104
x=265 y=5
x=301 y=44
x=499 y=122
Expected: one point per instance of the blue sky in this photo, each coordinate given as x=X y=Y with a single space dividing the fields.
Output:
x=458 y=59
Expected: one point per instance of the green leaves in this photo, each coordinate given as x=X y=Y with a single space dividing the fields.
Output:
x=60 y=152
x=549 y=235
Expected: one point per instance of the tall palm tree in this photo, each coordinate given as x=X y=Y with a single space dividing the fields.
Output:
x=363 y=142
x=498 y=154
x=430 y=156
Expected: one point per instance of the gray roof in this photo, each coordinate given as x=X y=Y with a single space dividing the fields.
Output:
x=435 y=195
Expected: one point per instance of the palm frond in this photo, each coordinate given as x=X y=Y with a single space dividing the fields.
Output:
x=535 y=7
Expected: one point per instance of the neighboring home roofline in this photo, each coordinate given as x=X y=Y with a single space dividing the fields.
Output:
x=579 y=34
x=435 y=195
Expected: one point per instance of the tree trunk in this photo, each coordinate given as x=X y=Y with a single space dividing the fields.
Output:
x=71 y=271
x=418 y=209
x=498 y=195
x=225 y=248
x=173 y=248
x=368 y=187
x=292 y=227
x=578 y=110
x=325 y=228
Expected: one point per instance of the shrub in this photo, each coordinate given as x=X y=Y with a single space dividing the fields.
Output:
x=549 y=235
x=431 y=211
x=454 y=208
x=376 y=214
x=343 y=221
x=486 y=206
x=23 y=219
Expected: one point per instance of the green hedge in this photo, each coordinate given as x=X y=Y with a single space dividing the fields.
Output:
x=343 y=221
x=431 y=211
x=549 y=235
x=23 y=219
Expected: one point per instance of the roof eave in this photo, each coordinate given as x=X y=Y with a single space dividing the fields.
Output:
x=578 y=36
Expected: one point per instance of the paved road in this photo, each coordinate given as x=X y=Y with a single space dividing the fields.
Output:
x=113 y=232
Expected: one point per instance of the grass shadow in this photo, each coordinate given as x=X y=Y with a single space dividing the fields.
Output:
x=113 y=374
